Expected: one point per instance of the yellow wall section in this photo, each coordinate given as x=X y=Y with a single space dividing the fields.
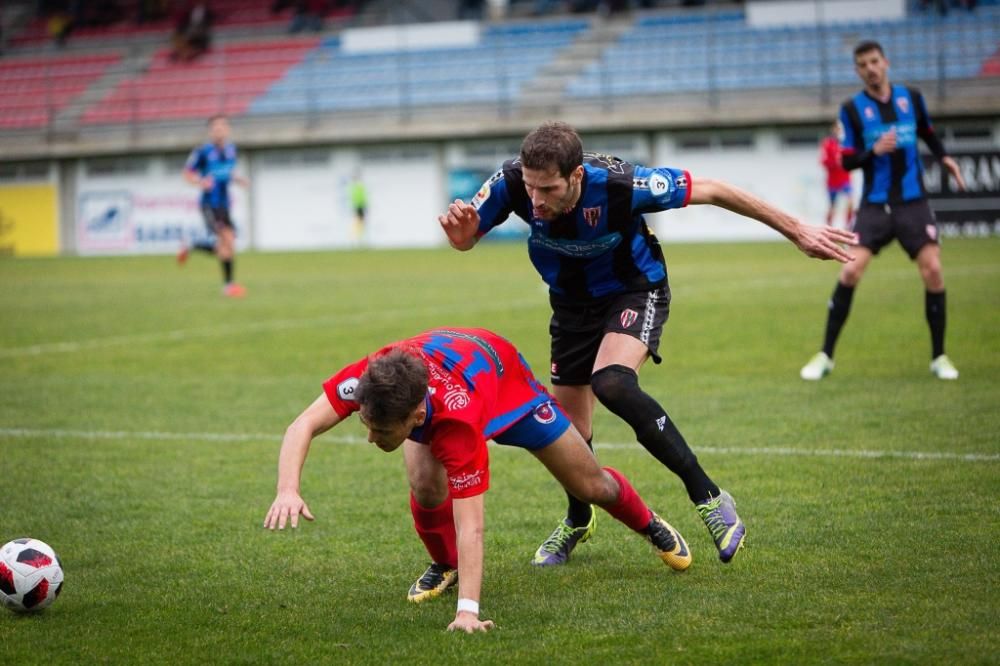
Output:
x=28 y=220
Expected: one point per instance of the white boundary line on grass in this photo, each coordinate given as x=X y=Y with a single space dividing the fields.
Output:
x=777 y=451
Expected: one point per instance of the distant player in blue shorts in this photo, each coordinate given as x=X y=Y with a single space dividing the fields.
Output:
x=211 y=167
x=879 y=129
x=609 y=294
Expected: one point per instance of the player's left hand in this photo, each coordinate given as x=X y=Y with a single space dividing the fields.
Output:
x=825 y=242
x=469 y=623
x=952 y=166
x=286 y=509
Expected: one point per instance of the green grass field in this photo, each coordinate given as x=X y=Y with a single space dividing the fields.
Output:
x=141 y=414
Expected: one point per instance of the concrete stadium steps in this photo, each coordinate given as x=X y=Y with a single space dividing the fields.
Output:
x=224 y=81
x=693 y=53
x=37 y=88
x=492 y=72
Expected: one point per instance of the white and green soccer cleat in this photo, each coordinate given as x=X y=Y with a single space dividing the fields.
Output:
x=943 y=368
x=818 y=367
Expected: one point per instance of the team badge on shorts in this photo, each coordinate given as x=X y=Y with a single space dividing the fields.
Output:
x=932 y=232
x=545 y=413
x=628 y=317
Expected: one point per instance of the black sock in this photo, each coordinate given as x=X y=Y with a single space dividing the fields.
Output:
x=934 y=307
x=617 y=387
x=840 y=306
x=578 y=513
x=227 y=270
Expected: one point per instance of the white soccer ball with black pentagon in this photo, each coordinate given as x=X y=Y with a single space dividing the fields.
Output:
x=31 y=575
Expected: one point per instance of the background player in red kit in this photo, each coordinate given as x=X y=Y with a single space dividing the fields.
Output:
x=442 y=394
x=838 y=179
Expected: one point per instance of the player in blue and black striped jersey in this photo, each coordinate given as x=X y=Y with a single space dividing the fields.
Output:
x=609 y=294
x=879 y=130
x=211 y=166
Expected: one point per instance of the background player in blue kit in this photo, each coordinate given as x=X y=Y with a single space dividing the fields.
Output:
x=880 y=126
x=211 y=167
x=609 y=294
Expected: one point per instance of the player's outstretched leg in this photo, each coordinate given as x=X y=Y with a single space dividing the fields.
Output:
x=728 y=531
x=433 y=582
x=669 y=543
x=629 y=508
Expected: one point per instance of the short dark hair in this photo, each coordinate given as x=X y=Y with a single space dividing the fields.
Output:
x=866 y=46
x=217 y=116
x=391 y=387
x=553 y=144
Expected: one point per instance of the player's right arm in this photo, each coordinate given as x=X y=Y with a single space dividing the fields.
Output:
x=461 y=225
x=193 y=169
x=465 y=223
x=288 y=504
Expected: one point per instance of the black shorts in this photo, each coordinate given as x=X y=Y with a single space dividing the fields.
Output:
x=216 y=218
x=578 y=327
x=912 y=223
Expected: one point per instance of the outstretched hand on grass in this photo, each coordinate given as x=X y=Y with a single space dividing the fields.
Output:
x=469 y=623
x=286 y=508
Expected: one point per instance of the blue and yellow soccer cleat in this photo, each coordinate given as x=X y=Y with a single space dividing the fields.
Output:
x=433 y=582
x=556 y=549
x=669 y=543
x=726 y=528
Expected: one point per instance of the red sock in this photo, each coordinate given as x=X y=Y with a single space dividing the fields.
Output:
x=436 y=528
x=629 y=507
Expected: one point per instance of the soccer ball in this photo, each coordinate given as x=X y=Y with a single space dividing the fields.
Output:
x=31 y=575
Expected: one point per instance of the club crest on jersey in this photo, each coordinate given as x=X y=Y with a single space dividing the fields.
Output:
x=628 y=317
x=347 y=388
x=903 y=104
x=545 y=413
x=592 y=216
x=456 y=398
x=869 y=113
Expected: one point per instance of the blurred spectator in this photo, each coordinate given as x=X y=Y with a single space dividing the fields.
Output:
x=306 y=15
x=470 y=9
x=942 y=5
x=193 y=34
x=149 y=11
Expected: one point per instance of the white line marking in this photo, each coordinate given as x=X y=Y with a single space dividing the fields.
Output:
x=776 y=451
x=70 y=346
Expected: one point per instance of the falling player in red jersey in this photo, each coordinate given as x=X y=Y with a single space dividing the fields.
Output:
x=441 y=395
x=838 y=179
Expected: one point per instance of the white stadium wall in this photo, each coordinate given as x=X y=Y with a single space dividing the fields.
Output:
x=299 y=197
x=789 y=176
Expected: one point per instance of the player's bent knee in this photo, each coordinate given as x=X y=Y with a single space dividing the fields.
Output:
x=601 y=489
x=429 y=495
x=614 y=383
